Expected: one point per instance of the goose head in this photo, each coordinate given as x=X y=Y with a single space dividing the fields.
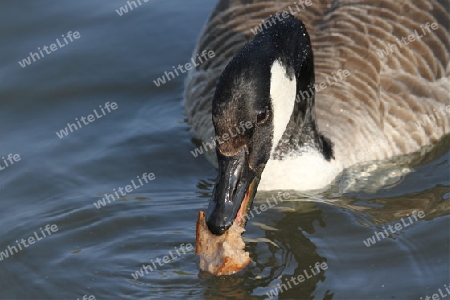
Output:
x=259 y=88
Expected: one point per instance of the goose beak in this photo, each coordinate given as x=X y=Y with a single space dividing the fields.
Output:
x=233 y=193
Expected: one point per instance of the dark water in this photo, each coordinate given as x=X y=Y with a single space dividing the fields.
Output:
x=95 y=251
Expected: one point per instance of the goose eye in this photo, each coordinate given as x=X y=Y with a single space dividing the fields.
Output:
x=263 y=116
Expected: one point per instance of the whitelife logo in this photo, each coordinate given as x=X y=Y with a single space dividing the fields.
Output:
x=90 y=118
x=165 y=260
x=266 y=24
x=318 y=87
x=427 y=119
x=12 y=158
x=33 y=56
x=300 y=278
x=225 y=137
x=397 y=226
x=31 y=240
x=391 y=48
x=263 y=207
x=438 y=296
x=124 y=9
x=188 y=66
x=128 y=189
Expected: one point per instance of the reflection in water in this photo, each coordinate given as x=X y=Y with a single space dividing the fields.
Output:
x=380 y=211
x=279 y=251
x=331 y=228
x=295 y=253
x=96 y=251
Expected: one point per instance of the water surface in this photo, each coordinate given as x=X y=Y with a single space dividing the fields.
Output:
x=95 y=251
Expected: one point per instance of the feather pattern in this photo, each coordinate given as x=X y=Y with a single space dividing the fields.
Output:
x=395 y=99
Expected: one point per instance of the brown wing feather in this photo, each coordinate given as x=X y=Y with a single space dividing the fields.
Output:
x=393 y=102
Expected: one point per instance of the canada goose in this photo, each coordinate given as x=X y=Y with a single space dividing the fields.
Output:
x=379 y=70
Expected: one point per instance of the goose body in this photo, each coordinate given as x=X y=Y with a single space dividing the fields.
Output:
x=379 y=86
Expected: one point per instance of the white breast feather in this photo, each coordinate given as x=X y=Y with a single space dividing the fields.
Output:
x=282 y=93
x=308 y=171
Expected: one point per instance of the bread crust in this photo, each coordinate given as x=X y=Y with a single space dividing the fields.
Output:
x=220 y=255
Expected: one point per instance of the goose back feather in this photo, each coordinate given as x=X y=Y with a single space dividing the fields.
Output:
x=391 y=104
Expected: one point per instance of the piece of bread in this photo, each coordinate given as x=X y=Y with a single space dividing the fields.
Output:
x=220 y=255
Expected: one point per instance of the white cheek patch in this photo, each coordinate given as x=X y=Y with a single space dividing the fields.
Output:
x=282 y=93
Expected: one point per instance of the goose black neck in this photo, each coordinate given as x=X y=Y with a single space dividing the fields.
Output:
x=292 y=47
